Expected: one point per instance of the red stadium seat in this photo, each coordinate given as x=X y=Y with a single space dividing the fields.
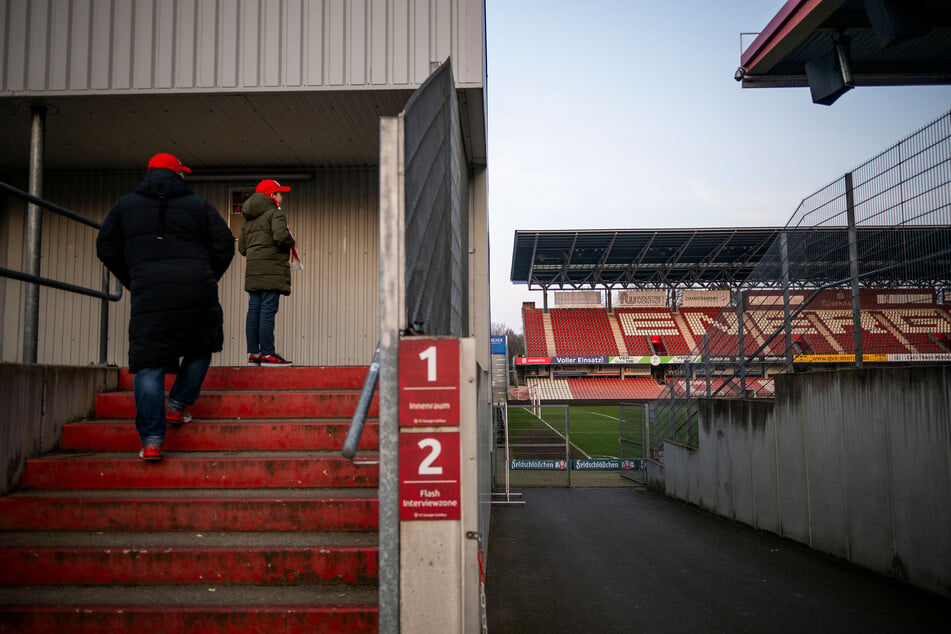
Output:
x=583 y=331
x=536 y=344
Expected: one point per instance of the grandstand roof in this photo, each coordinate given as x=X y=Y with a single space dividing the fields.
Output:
x=637 y=257
x=719 y=257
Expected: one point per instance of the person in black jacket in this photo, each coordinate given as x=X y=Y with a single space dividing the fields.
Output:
x=169 y=247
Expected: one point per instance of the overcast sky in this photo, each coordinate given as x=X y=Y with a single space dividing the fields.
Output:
x=624 y=114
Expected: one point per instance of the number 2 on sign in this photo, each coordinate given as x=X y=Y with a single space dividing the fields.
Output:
x=435 y=448
x=429 y=356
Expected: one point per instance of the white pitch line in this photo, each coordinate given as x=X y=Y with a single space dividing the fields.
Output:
x=560 y=435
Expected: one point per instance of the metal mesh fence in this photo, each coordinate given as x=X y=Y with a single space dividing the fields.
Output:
x=436 y=211
x=538 y=446
x=562 y=446
x=859 y=275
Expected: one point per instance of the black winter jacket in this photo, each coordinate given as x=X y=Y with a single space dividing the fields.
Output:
x=169 y=247
x=266 y=242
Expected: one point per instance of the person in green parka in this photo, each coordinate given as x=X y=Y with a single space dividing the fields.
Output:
x=266 y=242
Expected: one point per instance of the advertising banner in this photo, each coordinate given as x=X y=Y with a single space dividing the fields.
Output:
x=497 y=345
x=705 y=299
x=608 y=464
x=544 y=465
x=586 y=464
x=628 y=360
x=641 y=299
x=871 y=358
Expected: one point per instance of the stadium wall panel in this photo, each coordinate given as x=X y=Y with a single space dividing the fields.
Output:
x=740 y=445
x=869 y=481
x=723 y=471
x=791 y=471
x=764 y=471
x=674 y=481
x=856 y=464
x=828 y=505
x=704 y=482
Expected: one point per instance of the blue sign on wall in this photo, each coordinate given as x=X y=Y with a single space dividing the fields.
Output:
x=497 y=345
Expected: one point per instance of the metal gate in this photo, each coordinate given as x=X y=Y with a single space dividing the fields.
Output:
x=549 y=446
x=538 y=446
x=635 y=440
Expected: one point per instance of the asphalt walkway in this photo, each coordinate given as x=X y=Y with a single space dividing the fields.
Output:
x=605 y=560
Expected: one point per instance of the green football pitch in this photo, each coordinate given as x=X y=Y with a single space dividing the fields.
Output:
x=594 y=431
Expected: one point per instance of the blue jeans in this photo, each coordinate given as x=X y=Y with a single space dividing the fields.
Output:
x=259 y=326
x=149 y=387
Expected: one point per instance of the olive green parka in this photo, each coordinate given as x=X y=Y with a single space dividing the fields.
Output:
x=266 y=242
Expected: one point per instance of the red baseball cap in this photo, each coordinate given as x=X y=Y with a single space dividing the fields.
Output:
x=169 y=162
x=270 y=187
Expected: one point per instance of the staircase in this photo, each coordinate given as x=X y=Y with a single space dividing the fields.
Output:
x=253 y=522
x=549 y=334
x=613 y=319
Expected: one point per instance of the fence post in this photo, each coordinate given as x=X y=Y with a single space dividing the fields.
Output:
x=688 y=375
x=34 y=232
x=706 y=360
x=787 y=325
x=392 y=314
x=741 y=335
x=854 y=273
x=568 y=443
x=648 y=447
x=104 y=319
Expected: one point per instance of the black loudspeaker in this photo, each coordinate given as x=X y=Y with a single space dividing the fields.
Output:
x=830 y=75
x=895 y=21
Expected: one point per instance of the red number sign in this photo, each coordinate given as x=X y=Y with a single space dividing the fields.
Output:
x=429 y=382
x=429 y=476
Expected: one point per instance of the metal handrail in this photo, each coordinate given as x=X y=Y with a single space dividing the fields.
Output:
x=63 y=286
x=62 y=211
x=363 y=406
x=103 y=294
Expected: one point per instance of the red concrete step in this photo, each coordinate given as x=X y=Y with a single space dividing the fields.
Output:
x=239 y=405
x=190 y=619
x=252 y=378
x=228 y=534
x=197 y=470
x=204 y=510
x=220 y=435
x=276 y=565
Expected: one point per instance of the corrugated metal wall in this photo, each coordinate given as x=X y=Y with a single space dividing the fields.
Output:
x=330 y=318
x=80 y=46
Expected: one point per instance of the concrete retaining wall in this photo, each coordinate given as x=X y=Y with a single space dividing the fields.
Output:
x=856 y=464
x=35 y=402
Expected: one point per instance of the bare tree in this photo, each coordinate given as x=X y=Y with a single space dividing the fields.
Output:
x=515 y=342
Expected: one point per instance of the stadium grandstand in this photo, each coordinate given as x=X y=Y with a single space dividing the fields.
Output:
x=627 y=352
x=859 y=276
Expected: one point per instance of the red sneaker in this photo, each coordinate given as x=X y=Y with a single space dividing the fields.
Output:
x=273 y=361
x=151 y=453
x=254 y=360
x=177 y=416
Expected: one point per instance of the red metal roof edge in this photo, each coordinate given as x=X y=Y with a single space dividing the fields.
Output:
x=781 y=25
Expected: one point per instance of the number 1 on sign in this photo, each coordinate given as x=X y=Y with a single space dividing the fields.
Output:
x=429 y=356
